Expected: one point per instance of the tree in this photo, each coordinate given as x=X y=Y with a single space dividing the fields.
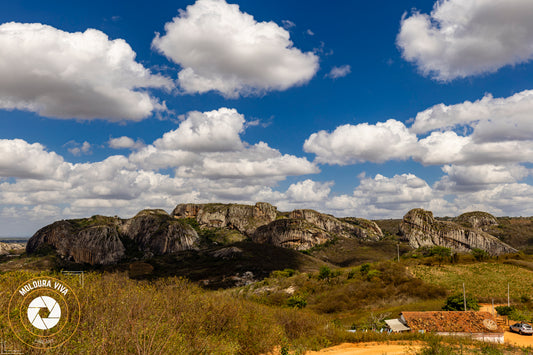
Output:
x=456 y=303
x=441 y=253
x=480 y=254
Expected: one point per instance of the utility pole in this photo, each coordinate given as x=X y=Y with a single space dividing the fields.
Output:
x=398 y=248
x=464 y=295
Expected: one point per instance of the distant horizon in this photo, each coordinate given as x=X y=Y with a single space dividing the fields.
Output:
x=372 y=219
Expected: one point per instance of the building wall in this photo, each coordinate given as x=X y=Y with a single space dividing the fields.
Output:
x=486 y=337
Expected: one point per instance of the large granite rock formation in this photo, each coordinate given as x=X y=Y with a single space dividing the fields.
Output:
x=421 y=229
x=154 y=231
x=304 y=229
x=107 y=240
x=291 y=233
x=243 y=218
x=346 y=227
x=300 y=229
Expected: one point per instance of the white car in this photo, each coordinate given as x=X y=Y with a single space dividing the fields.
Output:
x=521 y=328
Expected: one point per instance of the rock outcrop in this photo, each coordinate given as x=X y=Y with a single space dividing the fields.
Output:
x=300 y=229
x=291 y=233
x=107 y=240
x=476 y=219
x=422 y=230
x=6 y=248
x=304 y=229
x=155 y=231
x=346 y=227
x=243 y=218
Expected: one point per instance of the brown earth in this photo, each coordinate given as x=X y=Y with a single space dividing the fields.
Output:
x=390 y=348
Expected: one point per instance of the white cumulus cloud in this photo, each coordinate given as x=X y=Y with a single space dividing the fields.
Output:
x=223 y=49
x=459 y=179
x=125 y=143
x=460 y=38
x=82 y=75
x=350 y=144
x=212 y=131
x=494 y=119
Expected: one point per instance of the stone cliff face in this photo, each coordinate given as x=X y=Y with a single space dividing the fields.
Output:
x=243 y=218
x=155 y=231
x=291 y=233
x=347 y=227
x=304 y=229
x=421 y=229
x=105 y=240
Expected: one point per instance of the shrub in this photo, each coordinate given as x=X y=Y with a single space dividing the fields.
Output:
x=364 y=269
x=504 y=310
x=296 y=302
x=441 y=253
x=480 y=254
x=324 y=273
x=456 y=303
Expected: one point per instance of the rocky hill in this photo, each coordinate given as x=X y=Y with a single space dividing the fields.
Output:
x=101 y=240
x=242 y=218
x=300 y=229
x=107 y=240
x=462 y=234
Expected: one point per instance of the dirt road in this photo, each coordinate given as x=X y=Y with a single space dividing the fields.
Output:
x=390 y=348
x=517 y=339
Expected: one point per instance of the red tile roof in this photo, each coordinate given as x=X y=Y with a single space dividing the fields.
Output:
x=456 y=322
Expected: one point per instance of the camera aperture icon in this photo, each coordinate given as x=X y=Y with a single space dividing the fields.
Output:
x=34 y=310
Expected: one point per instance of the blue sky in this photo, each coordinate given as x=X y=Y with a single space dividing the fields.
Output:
x=354 y=109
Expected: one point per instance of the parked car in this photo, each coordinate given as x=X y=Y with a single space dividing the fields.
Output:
x=522 y=328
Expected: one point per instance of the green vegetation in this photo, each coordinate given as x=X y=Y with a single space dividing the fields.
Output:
x=516 y=231
x=345 y=291
x=480 y=254
x=436 y=345
x=295 y=309
x=486 y=280
x=457 y=303
x=505 y=310
x=173 y=316
x=213 y=236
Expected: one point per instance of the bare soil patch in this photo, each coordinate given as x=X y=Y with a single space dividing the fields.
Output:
x=390 y=348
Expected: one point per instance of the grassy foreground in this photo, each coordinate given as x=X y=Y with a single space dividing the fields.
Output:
x=173 y=316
